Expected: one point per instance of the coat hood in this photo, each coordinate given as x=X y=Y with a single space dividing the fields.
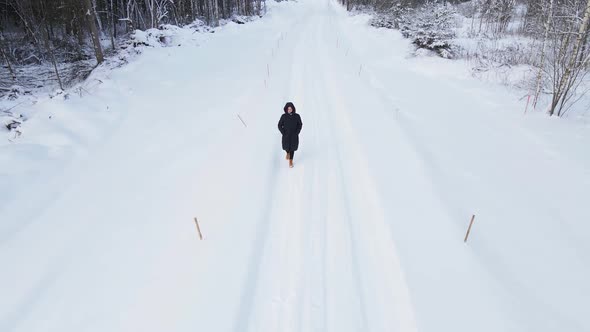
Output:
x=289 y=104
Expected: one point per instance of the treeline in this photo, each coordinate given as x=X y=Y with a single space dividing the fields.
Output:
x=36 y=31
x=556 y=34
x=384 y=5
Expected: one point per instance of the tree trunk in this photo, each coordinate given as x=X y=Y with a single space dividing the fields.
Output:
x=543 y=48
x=45 y=30
x=112 y=24
x=583 y=50
x=573 y=63
x=209 y=5
x=18 y=9
x=98 y=20
x=91 y=20
x=215 y=13
x=151 y=8
x=12 y=73
x=79 y=25
x=258 y=7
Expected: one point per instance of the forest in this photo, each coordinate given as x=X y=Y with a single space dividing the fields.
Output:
x=70 y=37
x=548 y=36
x=66 y=34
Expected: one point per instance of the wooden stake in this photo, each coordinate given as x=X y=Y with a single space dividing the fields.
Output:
x=244 y=123
x=267 y=70
x=527 y=104
x=198 y=228
x=469 y=229
x=360 y=69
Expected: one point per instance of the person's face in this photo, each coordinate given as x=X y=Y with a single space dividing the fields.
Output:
x=289 y=110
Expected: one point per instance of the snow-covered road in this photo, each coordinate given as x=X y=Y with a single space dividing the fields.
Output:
x=364 y=234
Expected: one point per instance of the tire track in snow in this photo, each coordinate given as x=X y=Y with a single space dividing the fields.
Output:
x=339 y=217
x=283 y=306
x=347 y=219
x=260 y=275
x=324 y=260
x=251 y=283
x=364 y=204
x=263 y=241
x=294 y=275
x=342 y=294
x=313 y=314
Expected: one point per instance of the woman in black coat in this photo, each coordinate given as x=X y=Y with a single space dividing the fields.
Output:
x=290 y=126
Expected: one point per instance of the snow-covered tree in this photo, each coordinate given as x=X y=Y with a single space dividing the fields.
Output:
x=66 y=33
x=432 y=27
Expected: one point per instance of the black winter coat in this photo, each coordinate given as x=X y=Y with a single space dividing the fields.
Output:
x=290 y=126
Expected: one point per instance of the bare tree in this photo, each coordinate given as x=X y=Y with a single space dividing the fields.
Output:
x=215 y=13
x=113 y=27
x=539 y=82
x=45 y=30
x=91 y=20
x=12 y=73
x=573 y=70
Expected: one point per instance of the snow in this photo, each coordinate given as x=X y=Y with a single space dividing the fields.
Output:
x=364 y=234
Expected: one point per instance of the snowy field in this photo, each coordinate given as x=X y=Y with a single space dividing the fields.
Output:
x=397 y=153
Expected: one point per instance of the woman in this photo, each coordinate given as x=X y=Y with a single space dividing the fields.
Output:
x=290 y=126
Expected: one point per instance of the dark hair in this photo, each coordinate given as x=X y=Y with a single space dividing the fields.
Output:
x=289 y=104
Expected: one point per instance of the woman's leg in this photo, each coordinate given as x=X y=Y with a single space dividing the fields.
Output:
x=291 y=155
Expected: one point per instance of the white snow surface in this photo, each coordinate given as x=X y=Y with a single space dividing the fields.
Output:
x=364 y=234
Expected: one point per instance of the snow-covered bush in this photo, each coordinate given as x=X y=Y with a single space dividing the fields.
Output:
x=15 y=91
x=11 y=122
x=238 y=19
x=201 y=26
x=168 y=35
x=499 y=14
x=392 y=18
x=432 y=27
x=498 y=52
x=154 y=37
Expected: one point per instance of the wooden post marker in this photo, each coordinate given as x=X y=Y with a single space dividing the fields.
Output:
x=198 y=228
x=527 y=104
x=244 y=123
x=469 y=229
